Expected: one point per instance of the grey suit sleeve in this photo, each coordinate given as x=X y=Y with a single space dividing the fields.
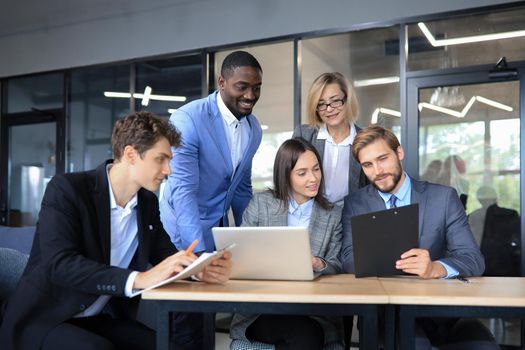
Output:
x=347 y=249
x=462 y=251
x=333 y=263
x=250 y=216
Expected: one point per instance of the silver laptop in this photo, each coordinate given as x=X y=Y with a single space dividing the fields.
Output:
x=267 y=253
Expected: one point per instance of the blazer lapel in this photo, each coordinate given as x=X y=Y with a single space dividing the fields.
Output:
x=217 y=132
x=419 y=196
x=143 y=229
x=318 y=144
x=101 y=196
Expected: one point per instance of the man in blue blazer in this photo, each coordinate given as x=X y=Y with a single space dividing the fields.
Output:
x=98 y=234
x=211 y=171
x=446 y=245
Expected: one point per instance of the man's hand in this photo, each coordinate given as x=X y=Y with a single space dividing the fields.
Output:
x=218 y=271
x=165 y=269
x=317 y=264
x=417 y=261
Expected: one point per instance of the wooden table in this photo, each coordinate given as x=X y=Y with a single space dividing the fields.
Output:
x=483 y=297
x=329 y=295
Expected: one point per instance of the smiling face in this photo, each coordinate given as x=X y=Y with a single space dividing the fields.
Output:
x=331 y=116
x=150 y=169
x=382 y=165
x=305 y=177
x=241 y=90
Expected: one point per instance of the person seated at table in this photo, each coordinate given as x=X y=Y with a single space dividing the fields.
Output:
x=98 y=232
x=296 y=200
x=446 y=245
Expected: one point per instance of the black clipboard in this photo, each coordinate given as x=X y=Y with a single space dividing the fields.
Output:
x=379 y=239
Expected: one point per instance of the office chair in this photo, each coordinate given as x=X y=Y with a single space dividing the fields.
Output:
x=12 y=265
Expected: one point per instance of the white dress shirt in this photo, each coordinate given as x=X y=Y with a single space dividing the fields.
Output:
x=124 y=243
x=237 y=132
x=336 y=164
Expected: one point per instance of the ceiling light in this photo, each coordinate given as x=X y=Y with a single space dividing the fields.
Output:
x=467 y=39
x=172 y=110
x=264 y=127
x=383 y=110
x=146 y=96
x=467 y=107
x=376 y=81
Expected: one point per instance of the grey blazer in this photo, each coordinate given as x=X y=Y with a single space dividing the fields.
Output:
x=325 y=242
x=356 y=176
x=443 y=226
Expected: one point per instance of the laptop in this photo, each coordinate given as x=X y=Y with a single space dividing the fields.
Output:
x=267 y=253
x=379 y=238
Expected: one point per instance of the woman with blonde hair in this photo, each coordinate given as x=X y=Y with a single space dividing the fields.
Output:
x=332 y=112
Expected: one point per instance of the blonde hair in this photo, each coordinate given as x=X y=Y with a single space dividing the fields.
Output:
x=314 y=95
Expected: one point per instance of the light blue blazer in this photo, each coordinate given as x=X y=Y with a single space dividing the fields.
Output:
x=201 y=189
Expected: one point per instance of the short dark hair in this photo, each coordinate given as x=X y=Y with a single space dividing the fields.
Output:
x=238 y=59
x=142 y=130
x=285 y=160
x=371 y=134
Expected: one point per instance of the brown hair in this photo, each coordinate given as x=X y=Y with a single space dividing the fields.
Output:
x=314 y=95
x=142 y=130
x=285 y=160
x=371 y=134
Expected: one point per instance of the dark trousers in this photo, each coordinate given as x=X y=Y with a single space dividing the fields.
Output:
x=453 y=334
x=187 y=331
x=100 y=332
x=287 y=332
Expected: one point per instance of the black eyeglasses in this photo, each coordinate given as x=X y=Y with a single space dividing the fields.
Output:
x=334 y=104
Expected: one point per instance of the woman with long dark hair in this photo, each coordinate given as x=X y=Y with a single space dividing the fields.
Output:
x=296 y=200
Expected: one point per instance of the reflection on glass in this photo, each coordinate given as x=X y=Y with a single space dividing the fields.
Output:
x=423 y=55
x=32 y=163
x=470 y=140
x=274 y=110
x=92 y=114
x=35 y=92
x=179 y=77
x=369 y=59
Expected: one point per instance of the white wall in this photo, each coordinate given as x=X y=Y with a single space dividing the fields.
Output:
x=38 y=35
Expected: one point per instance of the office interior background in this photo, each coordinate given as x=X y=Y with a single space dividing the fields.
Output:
x=447 y=77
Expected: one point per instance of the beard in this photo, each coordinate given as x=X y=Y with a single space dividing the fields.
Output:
x=396 y=177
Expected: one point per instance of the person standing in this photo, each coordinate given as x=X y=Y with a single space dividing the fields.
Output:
x=211 y=171
x=332 y=112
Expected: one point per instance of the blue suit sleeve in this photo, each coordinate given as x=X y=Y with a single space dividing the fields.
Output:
x=179 y=207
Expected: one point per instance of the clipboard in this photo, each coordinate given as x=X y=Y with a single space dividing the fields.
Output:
x=194 y=268
x=379 y=238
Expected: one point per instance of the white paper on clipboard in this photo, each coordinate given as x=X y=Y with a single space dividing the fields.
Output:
x=197 y=266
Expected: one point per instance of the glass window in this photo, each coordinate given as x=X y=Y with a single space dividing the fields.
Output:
x=168 y=84
x=32 y=163
x=35 y=92
x=447 y=43
x=274 y=110
x=369 y=59
x=92 y=114
x=470 y=140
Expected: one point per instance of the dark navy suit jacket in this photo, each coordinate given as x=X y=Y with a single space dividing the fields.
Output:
x=443 y=226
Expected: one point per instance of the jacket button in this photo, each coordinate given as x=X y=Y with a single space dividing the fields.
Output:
x=82 y=307
x=114 y=288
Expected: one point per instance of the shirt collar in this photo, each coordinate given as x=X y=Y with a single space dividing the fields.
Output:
x=294 y=207
x=402 y=193
x=226 y=114
x=112 y=202
x=323 y=134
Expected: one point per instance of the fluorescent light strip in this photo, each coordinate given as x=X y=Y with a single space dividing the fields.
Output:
x=172 y=110
x=117 y=94
x=264 y=127
x=467 y=107
x=376 y=81
x=467 y=39
x=383 y=110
